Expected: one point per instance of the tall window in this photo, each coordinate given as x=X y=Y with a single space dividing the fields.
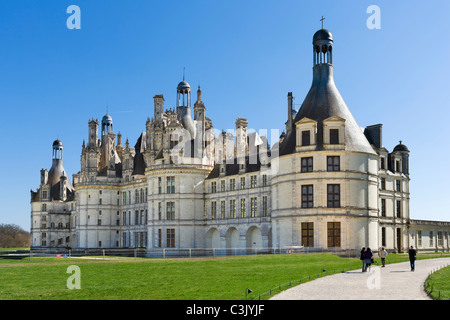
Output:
x=431 y=238
x=307 y=196
x=440 y=239
x=233 y=208
x=383 y=183
x=383 y=236
x=334 y=234
x=419 y=238
x=160 y=211
x=222 y=185
x=159 y=185
x=213 y=187
x=170 y=238
x=242 y=208
x=170 y=211
x=213 y=210
x=232 y=184
x=399 y=209
x=264 y=206
x=264 y=177
x=383 y=207
x=333 y=196
x=242 y=183
x=398 y=185
x=307 y=164
x=334 y=136
x=170 y=184
x=253 y=182
x=254 y=207
x=159 y=238
x=222 y=209
x=333 y=163
x=308 y=234
x=306 y=138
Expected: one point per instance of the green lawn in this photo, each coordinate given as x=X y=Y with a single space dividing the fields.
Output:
x=165 y=279
x=438 y=284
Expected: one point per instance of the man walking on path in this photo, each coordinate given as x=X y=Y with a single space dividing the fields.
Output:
x=412 y=258
x=383 y=254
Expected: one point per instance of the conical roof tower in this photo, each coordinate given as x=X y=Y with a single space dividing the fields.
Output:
x=324 y=101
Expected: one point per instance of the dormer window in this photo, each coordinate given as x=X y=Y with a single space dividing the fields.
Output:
x=334 y=133
x=334 y=136
x=306 y=138
x=306 y=134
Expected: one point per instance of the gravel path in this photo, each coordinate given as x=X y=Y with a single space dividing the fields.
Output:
x=394 y=282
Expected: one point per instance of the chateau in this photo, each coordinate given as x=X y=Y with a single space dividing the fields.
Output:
x=325 y=183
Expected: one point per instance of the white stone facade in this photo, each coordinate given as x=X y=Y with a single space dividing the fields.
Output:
x=327 y=184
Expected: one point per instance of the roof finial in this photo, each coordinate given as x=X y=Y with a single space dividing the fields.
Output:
x=183 y=72
x=322 y=21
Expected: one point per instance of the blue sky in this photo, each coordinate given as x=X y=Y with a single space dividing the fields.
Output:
x=246 y=55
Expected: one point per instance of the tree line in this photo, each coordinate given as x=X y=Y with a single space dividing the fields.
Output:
x=13 y=236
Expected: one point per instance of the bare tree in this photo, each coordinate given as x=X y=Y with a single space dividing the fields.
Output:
x=13 y=236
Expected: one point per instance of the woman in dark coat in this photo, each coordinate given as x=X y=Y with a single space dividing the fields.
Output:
x=368 y=257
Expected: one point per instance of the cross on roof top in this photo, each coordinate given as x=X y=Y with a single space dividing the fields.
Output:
x=322 y=21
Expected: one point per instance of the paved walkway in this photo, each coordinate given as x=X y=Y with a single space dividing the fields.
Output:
x=394 y=282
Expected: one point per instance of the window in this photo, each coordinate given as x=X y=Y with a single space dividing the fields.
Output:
x=308 y=234
x=334 y=234
x=307 y=164
x=222 y=209
x=397 y=165
x=382 y=163
x=170 y=184
x=419 y=238
x=306 y=138
x=383 y=236
x=170 y=211
x=159 y=185
x=44 y=194
x=383 y=183
x=124 y=198
x=170 y=238
x=159 y=210
x=233 y=208
x=253 y=182
x=333 y=163
x=440 y=239
x=254 y=207
x=383 y=207
x=334 y=136
x=431 y=238
x=213 y=210
x=213 y=187
x=159 y=238
x=333 y=196
x=44 y=207
x=222 y=185
x=264 y=177
x=264 y=206
x=398 y=185
x=307 y=196
x=242 y=183
x=242 y=208
x=232 y=184
x=399 y=209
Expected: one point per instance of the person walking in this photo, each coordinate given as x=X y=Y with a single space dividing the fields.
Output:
x=368 y=258
x=412 y=258
x=363 y=259
x=383 y=254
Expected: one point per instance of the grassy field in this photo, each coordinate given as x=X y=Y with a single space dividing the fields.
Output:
x=438 y=284
x=165 y=279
